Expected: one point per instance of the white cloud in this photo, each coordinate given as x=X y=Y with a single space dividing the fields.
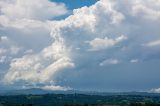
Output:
x=52 y=87
x=37 y=9
x=22 y=15
x=3 y=38
x=2 y=51
x=155 y=90
x=146 y=9
x=100 y=44
x=109 y=8
x=109 y=61
x=100 y=24
x=14 y=50
x=8 y=49
x=60 y=64
x=41 y=67
x=29 y=51
x=2 y=59
x=25 y=24
x=134 y=60
x=153 y=43
x=35 y=69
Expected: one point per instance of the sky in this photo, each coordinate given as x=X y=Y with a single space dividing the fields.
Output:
x=88 y=45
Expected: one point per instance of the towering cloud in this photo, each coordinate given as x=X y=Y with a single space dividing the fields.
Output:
x=108 y=35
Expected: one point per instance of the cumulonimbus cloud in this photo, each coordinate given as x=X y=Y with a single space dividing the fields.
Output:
x=103 y=25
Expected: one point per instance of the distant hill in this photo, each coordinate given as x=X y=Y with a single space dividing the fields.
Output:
x=38 y=91
x=35 y=91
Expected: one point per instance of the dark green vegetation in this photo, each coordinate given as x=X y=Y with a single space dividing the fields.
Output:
x=79 y=100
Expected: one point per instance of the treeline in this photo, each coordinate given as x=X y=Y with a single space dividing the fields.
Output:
x=79 y=100
x=131 y=104
x=144 y=104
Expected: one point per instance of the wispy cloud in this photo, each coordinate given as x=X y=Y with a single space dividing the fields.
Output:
x=109 y=62
x=101 y=44
x=153 y=43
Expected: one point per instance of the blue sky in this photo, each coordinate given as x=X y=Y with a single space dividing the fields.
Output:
x=73 y=4
x=100 y=45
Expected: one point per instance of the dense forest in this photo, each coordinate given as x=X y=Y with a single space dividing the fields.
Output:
x=79 y=100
